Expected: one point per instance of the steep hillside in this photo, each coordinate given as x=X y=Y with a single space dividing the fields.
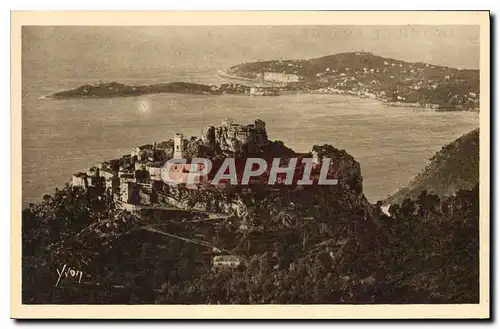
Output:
x=454 y=167
x=129 y=257
x=319 y=244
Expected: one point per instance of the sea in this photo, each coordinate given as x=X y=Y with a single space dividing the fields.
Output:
x=60 y=137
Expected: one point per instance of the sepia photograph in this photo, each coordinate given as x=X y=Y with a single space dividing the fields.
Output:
x=334 y=159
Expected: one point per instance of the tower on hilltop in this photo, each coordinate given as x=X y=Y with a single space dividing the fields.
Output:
x=178 y=145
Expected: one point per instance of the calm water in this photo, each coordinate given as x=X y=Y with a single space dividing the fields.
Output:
x=392 y=144
x=64 y=136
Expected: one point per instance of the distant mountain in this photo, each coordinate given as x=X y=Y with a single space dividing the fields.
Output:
x=454 y=167
x=366 y=74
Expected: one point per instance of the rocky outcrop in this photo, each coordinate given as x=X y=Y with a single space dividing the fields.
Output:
x=298 y=245
x=257 y=200
x=231 y=138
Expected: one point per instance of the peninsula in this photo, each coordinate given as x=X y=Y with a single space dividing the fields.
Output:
x=363 y=74
x=115 y=89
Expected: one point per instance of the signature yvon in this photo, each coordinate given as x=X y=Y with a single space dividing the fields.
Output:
x=66 y=272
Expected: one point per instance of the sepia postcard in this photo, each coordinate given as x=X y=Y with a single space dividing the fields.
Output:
x=250 y=165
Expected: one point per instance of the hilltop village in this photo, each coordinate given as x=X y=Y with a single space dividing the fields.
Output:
x=135 y=179
x=135 y=240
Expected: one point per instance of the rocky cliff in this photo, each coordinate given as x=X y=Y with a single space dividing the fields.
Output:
x=105 y=243
x=315 y=244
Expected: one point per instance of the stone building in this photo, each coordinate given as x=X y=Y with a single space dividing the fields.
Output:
x=154 y=169
x=128 y=192
x=79 y=179
x=143 y=153
x=178 y=173
x=107 y=173
x=280 y=77
x=96 y=181
x=179 y=145
x=225 y=261
x=111 y=181
x=233 y=137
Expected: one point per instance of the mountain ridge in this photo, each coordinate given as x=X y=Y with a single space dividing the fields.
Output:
x=369 y=75
x=454 y=167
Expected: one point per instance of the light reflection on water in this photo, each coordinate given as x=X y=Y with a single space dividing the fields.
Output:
x=392 y=144
x=64 y=136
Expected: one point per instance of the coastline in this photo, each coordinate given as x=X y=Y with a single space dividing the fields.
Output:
x=152 y=89
x=384 y=102
x=223 y=74
x=117 y=89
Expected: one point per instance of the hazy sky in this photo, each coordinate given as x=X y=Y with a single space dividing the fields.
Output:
x=78 y=49
x=445 y=45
